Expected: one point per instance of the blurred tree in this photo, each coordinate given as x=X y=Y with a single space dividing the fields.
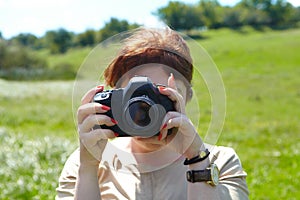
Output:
x=115 y=26
x=272 y=13
x=180 y=16
x=280 y=13
x=58 y=41
x=25 y=39
x=233 y=17
x=212 y=13
x=2 y=53
x=87 y=38
x=256 y=18
x=295 y=16
x=22 y=57
x=252 y=16
x=256 y=4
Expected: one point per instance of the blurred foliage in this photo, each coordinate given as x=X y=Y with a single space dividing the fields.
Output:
x=115 y=26
x=181 y=16
x=18 y=62
x=88 y=38
x=210 y=14
x=20 y=56
x=58 y=41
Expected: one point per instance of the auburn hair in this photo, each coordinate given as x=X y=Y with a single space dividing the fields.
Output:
x=149 y=45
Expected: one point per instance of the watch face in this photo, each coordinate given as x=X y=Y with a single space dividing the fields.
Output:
x=202 y=154
x=215 y=174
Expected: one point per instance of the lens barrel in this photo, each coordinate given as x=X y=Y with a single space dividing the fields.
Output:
x=139 y=112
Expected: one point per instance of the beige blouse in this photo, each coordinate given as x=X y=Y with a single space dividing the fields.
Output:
x=159 y=175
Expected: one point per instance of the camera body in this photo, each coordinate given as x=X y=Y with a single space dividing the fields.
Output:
x=139 y=108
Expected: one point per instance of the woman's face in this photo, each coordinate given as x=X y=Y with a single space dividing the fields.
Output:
x=158 y=76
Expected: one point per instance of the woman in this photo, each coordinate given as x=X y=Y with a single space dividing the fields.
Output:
x=163 y=166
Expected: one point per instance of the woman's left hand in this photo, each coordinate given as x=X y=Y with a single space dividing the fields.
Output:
x=186 y=141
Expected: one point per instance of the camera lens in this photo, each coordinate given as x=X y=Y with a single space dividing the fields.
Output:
x=101 y=96
x=142 y=116
x=139 y=113
x=104 y=95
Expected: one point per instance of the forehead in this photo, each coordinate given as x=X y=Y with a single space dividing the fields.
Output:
x=158 y=74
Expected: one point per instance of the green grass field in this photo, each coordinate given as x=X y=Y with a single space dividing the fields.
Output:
x=260 y=71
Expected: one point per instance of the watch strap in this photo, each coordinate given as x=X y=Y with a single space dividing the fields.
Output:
x=199 y=175
x=209 y=175
x=200 y=157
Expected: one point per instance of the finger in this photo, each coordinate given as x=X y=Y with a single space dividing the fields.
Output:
x=183 y=123
x=93 y=120
x=168 y=116
x=103 y=133
x=171 y=81
x=174 y=120
x=87 y=98
x=175 y=96
x=162 y=134
x=96 y=135
x=172 y=93
x=179 y=101
x=166 y=125
x=92 y=138
x=90 y=108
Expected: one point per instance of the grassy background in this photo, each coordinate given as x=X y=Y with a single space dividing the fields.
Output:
x=260 y=70
x=261 y=74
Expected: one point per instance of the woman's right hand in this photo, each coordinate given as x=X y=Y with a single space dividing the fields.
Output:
x=93 y=141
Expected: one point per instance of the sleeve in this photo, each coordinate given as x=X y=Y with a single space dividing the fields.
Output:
x=232 y=182
x=69 y=174
x=68 y=177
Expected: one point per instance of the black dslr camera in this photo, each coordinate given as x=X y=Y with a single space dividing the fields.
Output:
x=139 y=108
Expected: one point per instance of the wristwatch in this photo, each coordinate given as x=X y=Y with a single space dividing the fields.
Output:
x=210 y=175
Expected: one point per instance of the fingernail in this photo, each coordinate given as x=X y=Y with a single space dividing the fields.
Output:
x=100 y=87
x=159 y=136
x=164 y=126
x=113 y=121
x=161 y=88
x=116 y=134
x=104 y=107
